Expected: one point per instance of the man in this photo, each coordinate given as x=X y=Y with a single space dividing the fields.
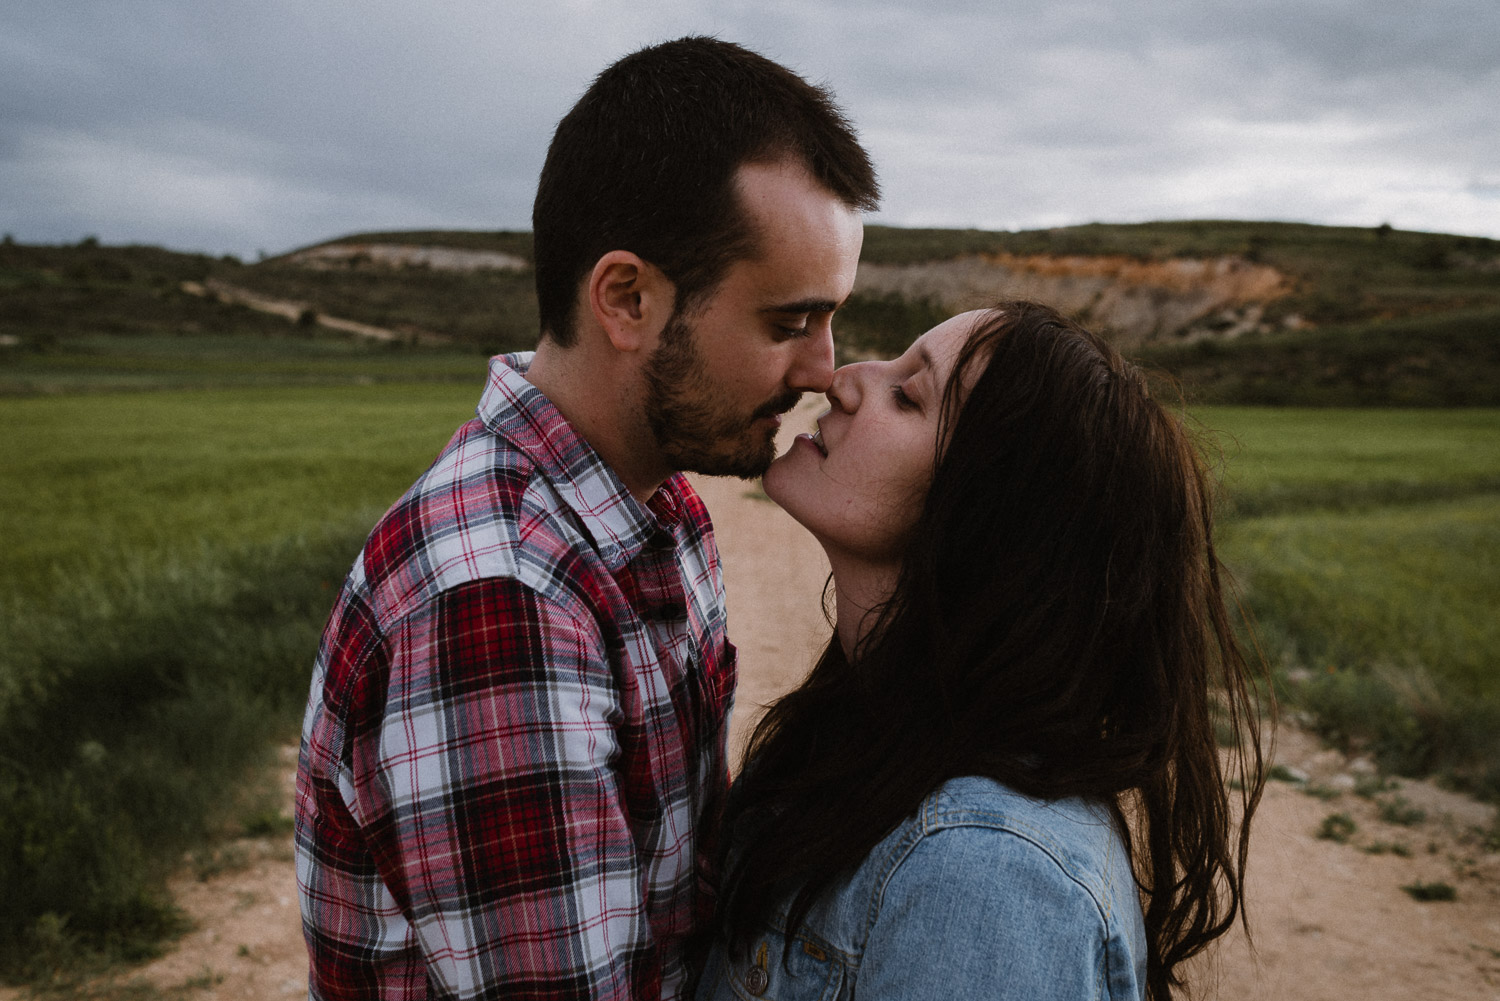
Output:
x=514 y=750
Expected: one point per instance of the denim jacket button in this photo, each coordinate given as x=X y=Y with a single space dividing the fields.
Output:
x=756 y=981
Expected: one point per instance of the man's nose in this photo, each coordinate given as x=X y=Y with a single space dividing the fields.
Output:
x=812 y=368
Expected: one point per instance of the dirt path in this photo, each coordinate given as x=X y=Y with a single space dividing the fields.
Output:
x=293 y=311
x=1330 y=919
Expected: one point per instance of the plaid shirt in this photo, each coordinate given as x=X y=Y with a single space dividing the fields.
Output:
x=513 y=756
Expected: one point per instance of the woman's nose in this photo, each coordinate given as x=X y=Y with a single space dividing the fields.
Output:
x=844 y=390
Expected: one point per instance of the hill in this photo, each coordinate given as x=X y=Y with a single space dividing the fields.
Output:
x=1239 y=312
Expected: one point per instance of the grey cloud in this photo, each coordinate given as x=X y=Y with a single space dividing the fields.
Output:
x=280 y=123
x=405 y=109
x=1351 y=39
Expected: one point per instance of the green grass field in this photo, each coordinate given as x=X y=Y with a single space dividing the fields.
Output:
x=89 y=482
x=1367 y=546
x=1277 y=459
x=1369 y=538
x=105 y=363
x=1411 y=587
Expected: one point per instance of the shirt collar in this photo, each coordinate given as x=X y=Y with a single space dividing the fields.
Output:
x=620 y=525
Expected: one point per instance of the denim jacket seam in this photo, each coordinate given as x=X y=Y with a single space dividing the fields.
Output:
x=915 y=831
x=1009 y=825
x=927 y=824
x=1004 y=823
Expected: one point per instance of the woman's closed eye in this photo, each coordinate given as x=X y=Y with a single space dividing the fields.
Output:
x=903 y=399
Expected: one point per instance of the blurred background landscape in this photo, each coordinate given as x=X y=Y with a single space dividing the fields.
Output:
x=195 y=448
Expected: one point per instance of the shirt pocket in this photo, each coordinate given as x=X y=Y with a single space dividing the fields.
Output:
x=721 y=676
x=811 y=971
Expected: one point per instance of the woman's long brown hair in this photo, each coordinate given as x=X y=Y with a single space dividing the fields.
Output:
x=1058 y=624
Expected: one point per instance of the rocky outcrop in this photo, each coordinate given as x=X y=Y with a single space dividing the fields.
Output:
x=1133 y=301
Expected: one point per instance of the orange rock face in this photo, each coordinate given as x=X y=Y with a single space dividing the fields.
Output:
x=1132 y=301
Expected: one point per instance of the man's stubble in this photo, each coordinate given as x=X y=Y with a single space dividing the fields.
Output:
x=693 y=430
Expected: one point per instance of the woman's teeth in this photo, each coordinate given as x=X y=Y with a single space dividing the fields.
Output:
x=817 y=439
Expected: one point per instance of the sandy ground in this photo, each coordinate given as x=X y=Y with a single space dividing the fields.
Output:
x=1330 y=919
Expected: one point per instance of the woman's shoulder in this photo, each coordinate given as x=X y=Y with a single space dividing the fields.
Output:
x=1004 y=889
x=986 y=838
x=1078 y=835
x=995 y=835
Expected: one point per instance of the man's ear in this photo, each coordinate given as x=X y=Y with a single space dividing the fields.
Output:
x=630 y=298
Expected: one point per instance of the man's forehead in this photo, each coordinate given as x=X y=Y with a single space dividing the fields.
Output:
x=795 y=278
x=784 y=193
x=805 y=240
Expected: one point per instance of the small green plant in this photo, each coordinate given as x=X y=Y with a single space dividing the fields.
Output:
x=1399 y=810
x=205 y=979
x=267 y=824
x=1224 y=731
x=1396 y=848
x=1281 y=773
x=134 y=989
x=217 y=861
x=1438 y=891
x=1370 y=786
x=1338 y=827
x=1319 y=791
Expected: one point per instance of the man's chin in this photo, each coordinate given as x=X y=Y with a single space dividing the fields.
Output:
x=740 y=468
x=748 y=462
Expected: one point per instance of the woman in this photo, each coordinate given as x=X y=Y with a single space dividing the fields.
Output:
x=1001 y=779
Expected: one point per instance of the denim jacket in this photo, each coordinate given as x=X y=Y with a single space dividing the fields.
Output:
x=983 y=893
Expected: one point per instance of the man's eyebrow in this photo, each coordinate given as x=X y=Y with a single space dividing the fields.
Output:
x=803 y=306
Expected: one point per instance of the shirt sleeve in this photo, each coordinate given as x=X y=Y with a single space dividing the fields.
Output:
x=493 y=807
x=961 y=921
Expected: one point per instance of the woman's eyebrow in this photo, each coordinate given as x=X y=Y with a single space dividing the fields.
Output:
x=929 y=370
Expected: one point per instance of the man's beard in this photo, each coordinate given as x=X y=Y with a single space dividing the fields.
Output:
x=693 y=431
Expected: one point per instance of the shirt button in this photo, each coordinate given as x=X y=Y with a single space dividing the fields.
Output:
x=756 y=981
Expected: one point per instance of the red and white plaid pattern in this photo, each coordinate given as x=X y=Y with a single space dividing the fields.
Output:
x=514 y=749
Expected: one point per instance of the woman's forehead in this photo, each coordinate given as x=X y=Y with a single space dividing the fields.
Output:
x=940 y=347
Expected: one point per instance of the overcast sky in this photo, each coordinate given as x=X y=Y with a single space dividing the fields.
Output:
x=235 y=127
